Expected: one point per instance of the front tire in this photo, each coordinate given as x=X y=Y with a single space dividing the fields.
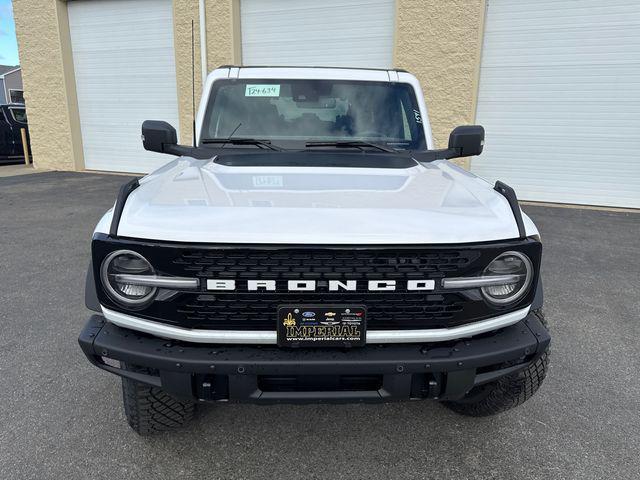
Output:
x=150 y=409
x=507 y=392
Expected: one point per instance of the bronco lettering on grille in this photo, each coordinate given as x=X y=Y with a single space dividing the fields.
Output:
x=312 y=285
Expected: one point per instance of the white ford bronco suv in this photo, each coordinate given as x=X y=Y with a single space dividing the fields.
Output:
x=314 y=246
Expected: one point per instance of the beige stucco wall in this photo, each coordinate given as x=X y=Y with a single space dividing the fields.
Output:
x=223 y=32
x=221 y=19
x=184 y=11
x=49 y=86
x=439 y=41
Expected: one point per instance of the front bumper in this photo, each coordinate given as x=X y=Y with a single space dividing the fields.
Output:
x=443 y=371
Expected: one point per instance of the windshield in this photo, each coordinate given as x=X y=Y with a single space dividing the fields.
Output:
x=282 y=111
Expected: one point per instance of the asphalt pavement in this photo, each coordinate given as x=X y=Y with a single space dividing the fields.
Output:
x=61 y=418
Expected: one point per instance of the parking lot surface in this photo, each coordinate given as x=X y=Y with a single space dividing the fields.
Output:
x=62 y=418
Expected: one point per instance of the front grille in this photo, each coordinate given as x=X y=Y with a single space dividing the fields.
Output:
x=385 y=311
x=244 y=310
x=323 y=264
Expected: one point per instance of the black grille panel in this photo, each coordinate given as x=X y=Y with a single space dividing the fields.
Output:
x=384 y=311
x=244 y=310
x=324 y=264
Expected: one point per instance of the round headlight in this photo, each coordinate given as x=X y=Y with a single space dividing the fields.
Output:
x=114 y=270
x=515 y=270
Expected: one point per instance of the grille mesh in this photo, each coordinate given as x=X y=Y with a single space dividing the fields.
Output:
x=323 y=265
x=384 y=311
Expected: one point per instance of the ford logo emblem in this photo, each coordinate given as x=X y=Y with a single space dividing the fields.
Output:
x=308 y=314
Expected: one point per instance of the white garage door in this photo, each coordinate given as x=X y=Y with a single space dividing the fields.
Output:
x=352 y=33
x=125 y=73
x=560 y=100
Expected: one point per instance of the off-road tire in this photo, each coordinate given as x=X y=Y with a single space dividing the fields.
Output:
x=150 y=410
x=543 y=319
x=507 y=392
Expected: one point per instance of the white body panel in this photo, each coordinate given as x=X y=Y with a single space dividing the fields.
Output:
x=199 y=201
x=559 y=98
x=125 y=73
x=308 y=32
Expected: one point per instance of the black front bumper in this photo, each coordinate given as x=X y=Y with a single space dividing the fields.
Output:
x=444 y=371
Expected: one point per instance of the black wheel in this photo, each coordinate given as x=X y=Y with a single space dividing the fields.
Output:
x=507 y=392
x=149 y=409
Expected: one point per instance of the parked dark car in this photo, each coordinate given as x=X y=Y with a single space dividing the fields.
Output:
x=13 y=117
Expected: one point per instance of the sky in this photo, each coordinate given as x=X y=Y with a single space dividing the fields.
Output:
x=8 y=44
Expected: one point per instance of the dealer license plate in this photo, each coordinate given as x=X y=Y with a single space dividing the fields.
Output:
x=321 y=325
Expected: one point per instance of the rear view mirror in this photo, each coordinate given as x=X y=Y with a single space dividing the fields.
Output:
x=158 y=136
x=467 y=140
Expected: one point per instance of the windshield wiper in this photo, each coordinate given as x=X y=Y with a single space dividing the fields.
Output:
x=242 y=141
x=352 y=144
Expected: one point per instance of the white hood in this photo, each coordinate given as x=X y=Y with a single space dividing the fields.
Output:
x=191 y=200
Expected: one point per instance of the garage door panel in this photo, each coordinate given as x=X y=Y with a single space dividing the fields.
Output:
x=511 y=14
x=579 y=49
x=307 y=32
x=559 y=97
x=586 y=85
x=125 y=73
x=528 y=144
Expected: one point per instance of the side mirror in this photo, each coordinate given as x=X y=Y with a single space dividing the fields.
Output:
x=467 y=140
x=158 y=136
x=464 y=141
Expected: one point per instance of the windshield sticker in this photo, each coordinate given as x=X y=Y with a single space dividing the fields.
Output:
x=267 y=90
x=417 y=116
